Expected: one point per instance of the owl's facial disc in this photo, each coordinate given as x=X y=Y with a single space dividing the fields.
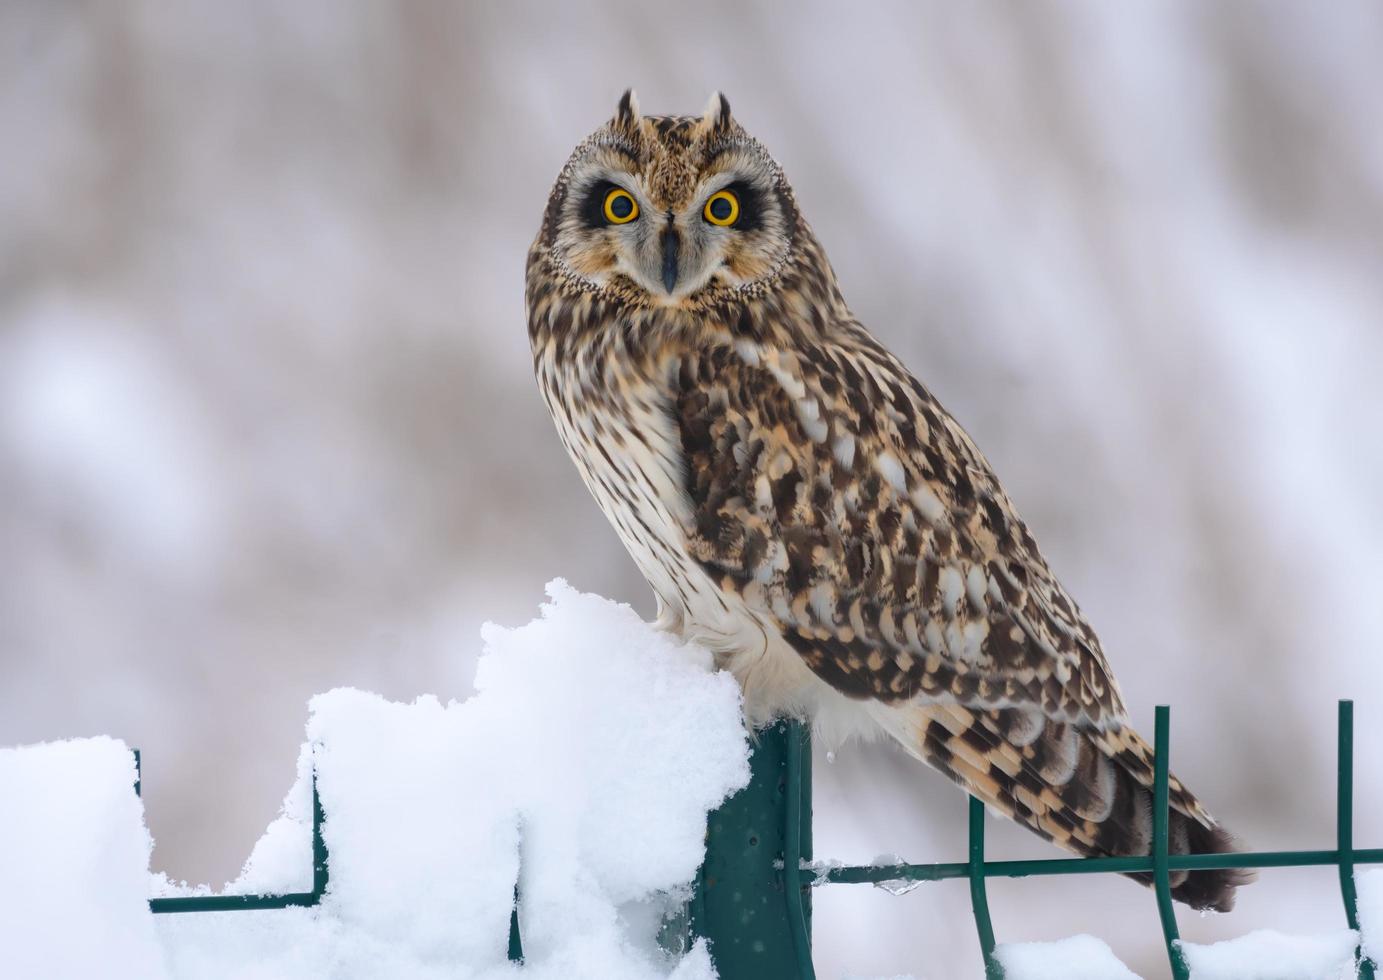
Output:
x=715 y=237
x=672 y=206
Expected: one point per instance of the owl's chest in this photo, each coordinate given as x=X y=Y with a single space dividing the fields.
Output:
x=617 y=426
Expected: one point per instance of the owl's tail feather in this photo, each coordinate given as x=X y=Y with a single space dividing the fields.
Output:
x=1086 y=790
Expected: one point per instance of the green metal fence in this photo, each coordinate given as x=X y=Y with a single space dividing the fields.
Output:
x=752 y=896
x=232 y=903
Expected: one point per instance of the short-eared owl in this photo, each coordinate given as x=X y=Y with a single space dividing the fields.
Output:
x=803 y=506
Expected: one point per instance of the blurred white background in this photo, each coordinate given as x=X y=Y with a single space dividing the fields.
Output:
x=267 y=422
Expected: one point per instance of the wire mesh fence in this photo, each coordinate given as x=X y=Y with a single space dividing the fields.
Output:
x=752 y=895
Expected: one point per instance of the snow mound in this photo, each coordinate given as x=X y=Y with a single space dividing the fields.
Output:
x=1269 y=955
x=1074 y=958
x=1370 y=892
x=581 y=770
x=74 y=863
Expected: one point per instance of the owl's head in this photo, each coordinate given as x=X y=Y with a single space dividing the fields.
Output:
x=670 y=210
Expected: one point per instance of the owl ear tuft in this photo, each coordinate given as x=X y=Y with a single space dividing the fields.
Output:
x=627 y=113
x=716 y=117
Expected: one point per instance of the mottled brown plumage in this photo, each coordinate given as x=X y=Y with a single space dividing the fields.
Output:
x=803 y=506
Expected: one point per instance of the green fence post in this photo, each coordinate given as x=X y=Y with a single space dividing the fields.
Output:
x=757 y=924
x=978 y=894
x=979 y=897
x=796 y=895
x=321 y=875
x=1161 y=871
x=1344 y=827
x=515 y=940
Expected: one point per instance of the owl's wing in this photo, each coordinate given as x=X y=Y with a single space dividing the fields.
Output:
x=836 y=497
x=833 y=491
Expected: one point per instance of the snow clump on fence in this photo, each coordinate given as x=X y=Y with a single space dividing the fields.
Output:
x=580 y=771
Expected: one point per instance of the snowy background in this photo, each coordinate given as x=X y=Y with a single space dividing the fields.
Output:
x=267 y=423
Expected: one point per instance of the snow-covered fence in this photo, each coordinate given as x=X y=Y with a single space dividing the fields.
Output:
x=231 y=903
x=738 y=902
x=582 y=769
x=603 y=768
x=752 y=895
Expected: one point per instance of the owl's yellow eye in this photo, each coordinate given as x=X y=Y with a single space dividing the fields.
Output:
x=723 y=208
x=620 y=207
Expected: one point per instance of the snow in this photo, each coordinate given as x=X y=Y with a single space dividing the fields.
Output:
x=1369 y=885
x=1074 y=958
x=74 y=855
x=1269 y=955
x=1260 y=955
x=582 y=769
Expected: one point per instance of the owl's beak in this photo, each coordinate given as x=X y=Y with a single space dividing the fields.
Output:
x=672 y=244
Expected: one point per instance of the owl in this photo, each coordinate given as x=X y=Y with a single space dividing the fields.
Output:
x=803 y=507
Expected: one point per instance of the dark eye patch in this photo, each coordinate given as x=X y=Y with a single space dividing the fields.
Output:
x=593 y=204
x=751 y=205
